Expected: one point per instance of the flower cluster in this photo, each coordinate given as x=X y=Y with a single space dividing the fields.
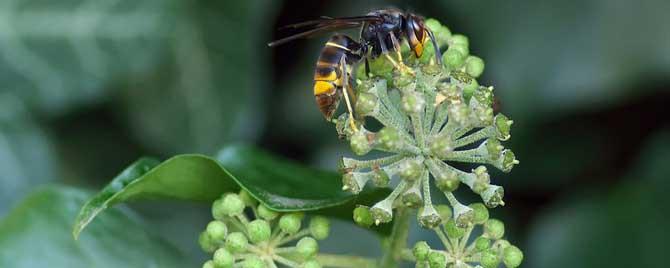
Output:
x=260 y=241
x=431 y=116
x=488 y=250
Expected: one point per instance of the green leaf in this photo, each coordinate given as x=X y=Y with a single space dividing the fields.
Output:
x=36 y=233
x=280 y=184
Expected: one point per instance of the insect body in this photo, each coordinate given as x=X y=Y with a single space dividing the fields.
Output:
x=381 y=33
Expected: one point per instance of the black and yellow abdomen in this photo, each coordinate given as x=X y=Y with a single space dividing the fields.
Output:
x=330 y=72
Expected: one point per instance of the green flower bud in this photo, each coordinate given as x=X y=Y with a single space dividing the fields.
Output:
x=453 y=231
x=208 y=264
x=433 y=24
x=366 y=103
x=342 y=126
x=389 y=139
x=460 y=113
x=206 y=243
x=412 y=196
x=508 y=161
x=437 y=260
x=453 y=58
x=319 y=227
x=422 y=264
x=403 y=81
x=489 y=259
x=441 y=146
x=217 y=231
x=236 y=242
x=380 y=178
x=254 y=262
x=465 y=51
x=429 y=217
x=482 y=244
x=494 y=148
x=421 y=251
x=493 y=196
x=444 y=211
x=228 y=205
x=290 y=223
x=259 y=231
x=247 y=199
x=501 y=244
x=459 y=39
x=474 y=66
x=307 y=247
x=469 y=90
x=223 y=258
x=428 y=53
x=481 y=213
x=413 y=102
x=360 y=142
x=362 y=216
x=503 y=125
x=380 y=66
x=512 y=257
x=463 y=215
x=446 y=180
x=266 y=213
x=411 y=169
x=354 y=182
x=311 y=264
x=382 y=211
x=482 y=179
x=494 y=229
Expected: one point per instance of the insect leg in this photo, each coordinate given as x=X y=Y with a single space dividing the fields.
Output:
x=400 y=66
x=396 y=46
x=346 y=91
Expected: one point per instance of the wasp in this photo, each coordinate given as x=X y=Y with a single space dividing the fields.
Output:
x=382 y=32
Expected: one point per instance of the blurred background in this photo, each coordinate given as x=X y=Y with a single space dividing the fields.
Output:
x=87 y=87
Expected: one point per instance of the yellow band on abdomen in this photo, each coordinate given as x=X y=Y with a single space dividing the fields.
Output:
x=323 y=87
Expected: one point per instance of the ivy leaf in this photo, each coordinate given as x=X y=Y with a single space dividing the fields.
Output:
x=36 y=234
x=280 y=184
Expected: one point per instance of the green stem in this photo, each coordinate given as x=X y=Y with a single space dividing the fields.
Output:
x=344 y=261
x=481 y=134
x=398 y=239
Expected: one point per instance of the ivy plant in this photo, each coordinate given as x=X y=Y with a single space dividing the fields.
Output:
x=271 y=212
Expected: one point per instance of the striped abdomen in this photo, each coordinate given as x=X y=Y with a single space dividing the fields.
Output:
x=329 y=73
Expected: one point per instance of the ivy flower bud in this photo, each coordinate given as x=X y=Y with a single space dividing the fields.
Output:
x=437 y=260
x=236 y=242
x=223 y=258
x=206 y=243
x=411 y=169
x=444 y=211
x=362 y=216
x=459 y=39
x=464 y=49
x=259 y=231
x=441 y=146
x=512 y=257
x=355 y=181
x=489 y=259
x=413 y=102
x=319 y=227
x=228 y=205
x=217 y=231
x=474 y=66
x=254 y=262
x=481 y=213
x=494 y=229
x=501 y=244
x=247 y=199
x=208 y=264
x=382 y=211
x=502 y=126
x=482 y=179
x=421 y=251
x=493 y=196
x=453 y=58
x=366 y=104
x=360 y=142
x=307 y=247
x=452 y=230
x=494 y=148
x=463 y=215
x=469 y=90
x=389 y=139
x=507 y=161
x=311 y=264
x=429 y=217
x=290 y=223
x=379 y=177
x=446 y=180
x=412 y=196
x=482 y=244
x=266 y=213
x=460 y=113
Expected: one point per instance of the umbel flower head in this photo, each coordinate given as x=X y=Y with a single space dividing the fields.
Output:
x=431 y=116
x=267 y=239
x=488 y=250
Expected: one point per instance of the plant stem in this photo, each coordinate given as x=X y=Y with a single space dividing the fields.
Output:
x=344 y=261
x=398 y=239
